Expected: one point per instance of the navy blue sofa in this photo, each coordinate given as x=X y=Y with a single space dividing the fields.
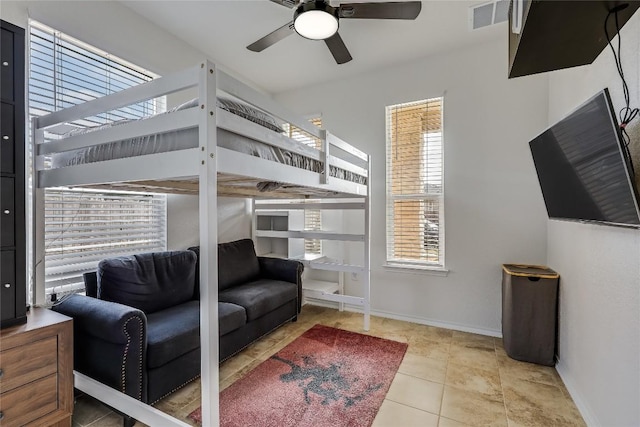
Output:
x=138 y=327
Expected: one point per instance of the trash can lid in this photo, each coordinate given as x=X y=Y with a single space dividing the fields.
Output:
x=524 y=270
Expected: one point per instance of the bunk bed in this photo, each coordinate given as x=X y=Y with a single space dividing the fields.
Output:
x=210 y=147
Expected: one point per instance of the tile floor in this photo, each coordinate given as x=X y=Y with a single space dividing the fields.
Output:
x=447 y=379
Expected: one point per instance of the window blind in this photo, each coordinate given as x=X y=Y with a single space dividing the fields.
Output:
x=65 y=72
x=415 y=186
x=312 y=217
x=81 y=226
x=84 y=227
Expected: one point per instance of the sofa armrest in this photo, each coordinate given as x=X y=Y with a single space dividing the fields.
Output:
x=283 y=269
x=110 y=342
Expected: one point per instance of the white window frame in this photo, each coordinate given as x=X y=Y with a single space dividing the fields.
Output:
x=392 y=261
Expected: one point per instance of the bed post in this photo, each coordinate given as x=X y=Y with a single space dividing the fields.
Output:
x=36 y=272
x=367 y=249
x=208 y=244
x=324 y=177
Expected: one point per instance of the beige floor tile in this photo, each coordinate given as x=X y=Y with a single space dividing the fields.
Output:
x=180 y=398
x=536 y=404
x=110 y=420
x=447 y=422
x=511 y=368
x=423 y=367
x=87 y=410
x=472 y=408
x=234 y=364
x=472 y=378
x=473 y=340
x=434 y=333
x=479 y=357
x=392 y=414
x=415 y=392
x=429 y=348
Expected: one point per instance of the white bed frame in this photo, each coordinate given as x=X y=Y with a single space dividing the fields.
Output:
x=208 y=169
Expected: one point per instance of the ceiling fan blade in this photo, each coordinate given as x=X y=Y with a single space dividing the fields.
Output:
x=389 y=10
x=272 y=38
x=338 y=49
x=286 y=3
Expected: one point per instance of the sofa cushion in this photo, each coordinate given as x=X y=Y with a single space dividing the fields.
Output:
x=149 y=282
x=172 y=332
x=230 y=317
x=260 y=296
x=237 y=263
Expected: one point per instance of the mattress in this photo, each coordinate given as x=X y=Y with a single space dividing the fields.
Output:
x=188 y=138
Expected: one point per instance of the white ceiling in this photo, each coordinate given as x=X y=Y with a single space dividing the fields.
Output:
x=223 y=29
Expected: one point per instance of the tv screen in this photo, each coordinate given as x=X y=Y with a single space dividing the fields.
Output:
x=583 y=168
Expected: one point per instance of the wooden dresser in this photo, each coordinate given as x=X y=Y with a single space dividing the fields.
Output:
x=36 y=371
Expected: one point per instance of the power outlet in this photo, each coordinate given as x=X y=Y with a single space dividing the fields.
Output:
x=354 y=276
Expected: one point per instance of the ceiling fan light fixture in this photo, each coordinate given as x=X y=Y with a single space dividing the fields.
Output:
x=315 y=21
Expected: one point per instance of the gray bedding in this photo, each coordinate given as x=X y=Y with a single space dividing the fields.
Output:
x=188 y=138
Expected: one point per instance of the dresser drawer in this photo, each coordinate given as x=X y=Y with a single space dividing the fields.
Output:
x=26 y=363
x=7 y=214
x=7 y=65
x=7 y=286
x=30 y=402
x=7 y=138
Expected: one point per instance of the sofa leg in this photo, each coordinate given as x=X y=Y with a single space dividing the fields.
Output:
x=128 y=421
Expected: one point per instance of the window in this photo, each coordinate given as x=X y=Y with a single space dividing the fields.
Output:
x=84 y=226
x=312 y=217
x=415 y=187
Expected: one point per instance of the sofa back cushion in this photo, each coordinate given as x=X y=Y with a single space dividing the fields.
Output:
x=237 y=263
x=149 y=282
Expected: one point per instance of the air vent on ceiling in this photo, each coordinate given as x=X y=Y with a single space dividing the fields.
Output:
x=487 y=14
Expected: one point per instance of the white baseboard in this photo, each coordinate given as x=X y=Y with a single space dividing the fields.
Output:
x=412 y=319
x=585 y=410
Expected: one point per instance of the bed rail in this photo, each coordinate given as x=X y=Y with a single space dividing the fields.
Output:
x=335 y=153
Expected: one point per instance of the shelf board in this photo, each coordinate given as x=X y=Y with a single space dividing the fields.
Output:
x=300 y=234
x=274 y=255
x=321 y=286
x=261 y=212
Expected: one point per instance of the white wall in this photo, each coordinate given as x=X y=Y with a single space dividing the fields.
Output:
x=493 y=208
x=599 y=266
x=114 y=28
x=234 y=220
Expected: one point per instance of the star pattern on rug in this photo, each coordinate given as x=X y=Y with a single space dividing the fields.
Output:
x=327 y=382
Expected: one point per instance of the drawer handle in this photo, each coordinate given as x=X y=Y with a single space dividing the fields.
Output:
x=5 y=63
x=1 y=415
x=6 y=212
x=1 y=373
x=5 y=137
x=7 y=285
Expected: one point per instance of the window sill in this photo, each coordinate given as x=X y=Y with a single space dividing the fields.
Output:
x=417 y=269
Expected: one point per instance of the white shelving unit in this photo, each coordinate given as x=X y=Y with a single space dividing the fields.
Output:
x=278 y=232
x=270 y=231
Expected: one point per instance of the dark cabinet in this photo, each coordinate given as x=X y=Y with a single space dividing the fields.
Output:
x=13 y=277
x=560 y=34
x=8 y=284
x=7 y=138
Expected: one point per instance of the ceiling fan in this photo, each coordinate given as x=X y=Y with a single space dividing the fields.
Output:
x=318 y=20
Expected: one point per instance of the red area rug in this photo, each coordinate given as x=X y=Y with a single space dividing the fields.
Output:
x=326 y=377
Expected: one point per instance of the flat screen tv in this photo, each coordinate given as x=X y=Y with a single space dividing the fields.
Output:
x=583 y=167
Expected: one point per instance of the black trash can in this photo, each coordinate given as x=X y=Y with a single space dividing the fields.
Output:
x=529 y=312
